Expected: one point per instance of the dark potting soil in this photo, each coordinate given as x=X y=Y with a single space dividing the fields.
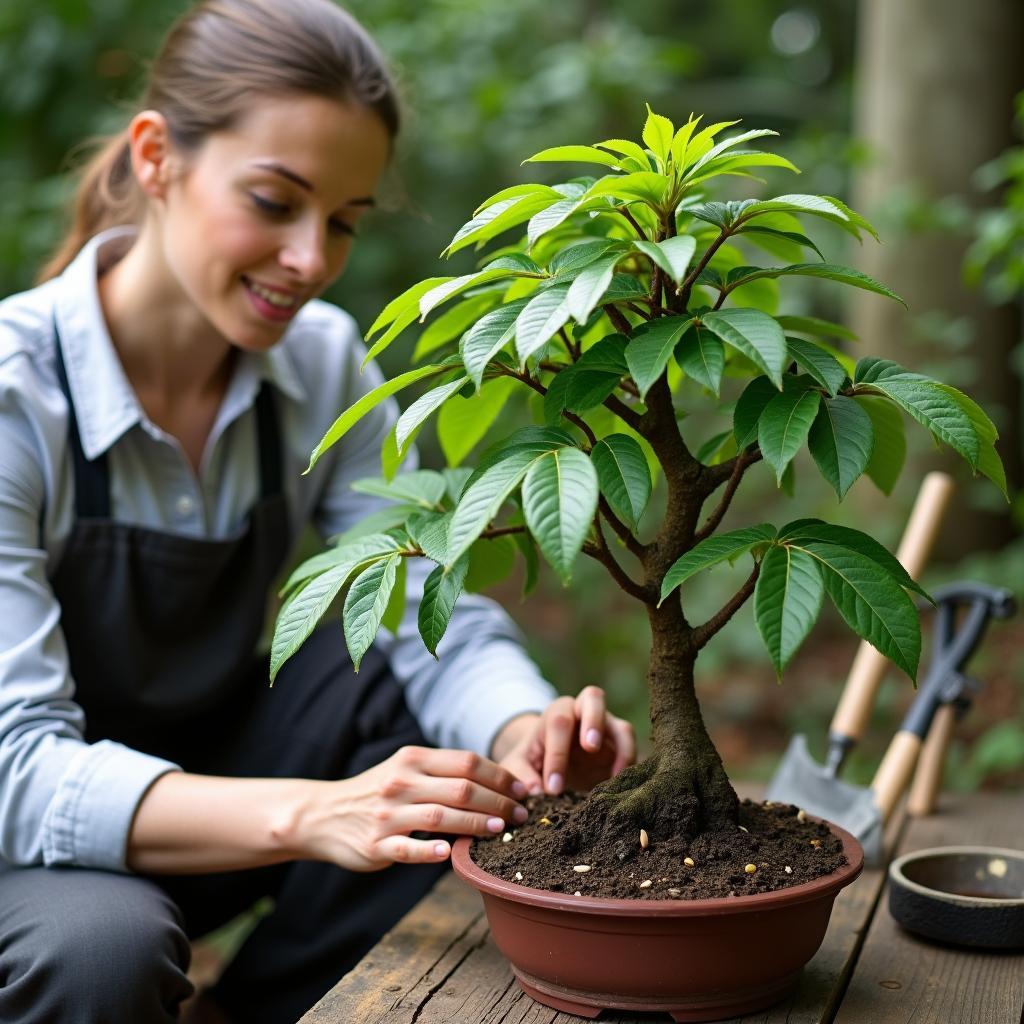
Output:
x=783 y=850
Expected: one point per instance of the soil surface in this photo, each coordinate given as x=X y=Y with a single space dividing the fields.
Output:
x=782 y=849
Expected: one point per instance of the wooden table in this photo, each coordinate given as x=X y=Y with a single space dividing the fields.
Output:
x=440 y=965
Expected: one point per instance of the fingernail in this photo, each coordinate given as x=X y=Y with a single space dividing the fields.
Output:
x=555 y=781
x=518 y=788
x=441 y=849
x=536 y=789
x=496 y=824
x=520 y=814
x=594 y=739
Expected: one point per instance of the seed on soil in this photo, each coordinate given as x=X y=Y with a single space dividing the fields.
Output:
x=519 y=876
x=750 y=869
x=801 y=815
x=741 y=828
x=507 y=837
x=577 y=893
x=815 y=843
x=645 y=839
x=789 y=870
x=769 y=803
x=581 y=869
x=646 y=884
x=688 y=861
x=675 y=892
x=545 y=821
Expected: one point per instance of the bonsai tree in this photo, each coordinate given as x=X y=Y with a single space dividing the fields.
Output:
x=631 y=304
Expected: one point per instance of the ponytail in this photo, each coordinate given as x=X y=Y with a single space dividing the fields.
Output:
x=106 y=197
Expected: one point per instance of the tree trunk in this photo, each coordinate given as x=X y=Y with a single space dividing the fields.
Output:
x=935 y=87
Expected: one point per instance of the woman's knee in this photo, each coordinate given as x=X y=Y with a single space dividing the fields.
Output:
x=90 y=945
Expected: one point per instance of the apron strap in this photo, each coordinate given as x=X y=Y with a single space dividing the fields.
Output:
x=92 y=478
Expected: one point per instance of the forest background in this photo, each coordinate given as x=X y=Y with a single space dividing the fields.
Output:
x=907 y=109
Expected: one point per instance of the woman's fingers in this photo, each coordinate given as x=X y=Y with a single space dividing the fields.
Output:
x=624 y=737
x=464 y=764
x=591 y=712
x=559 y=724
x=405 y=850
x=440 y=818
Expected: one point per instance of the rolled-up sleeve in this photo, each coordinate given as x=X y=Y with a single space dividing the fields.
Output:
x=482 y=676
x=62 y=801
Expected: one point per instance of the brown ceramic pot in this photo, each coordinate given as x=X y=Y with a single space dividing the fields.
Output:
x=698 y=960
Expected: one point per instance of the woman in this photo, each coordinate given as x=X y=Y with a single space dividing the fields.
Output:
x=159 y=395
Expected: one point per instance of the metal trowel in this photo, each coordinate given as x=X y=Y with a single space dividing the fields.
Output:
x=864 y=812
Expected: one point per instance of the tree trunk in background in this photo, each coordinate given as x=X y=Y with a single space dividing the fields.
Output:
x=934 y=100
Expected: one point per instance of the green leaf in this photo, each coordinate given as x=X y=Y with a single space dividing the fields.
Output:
x=819 y=364
x=404 y=303
x=528 y=548
x=440 y=592
x=607 y=355
x=500 y=472
x=629 y=149
x=542 y=317
x=365 y=604
x=704 y=139
x=382 y=520
x=549 y=219
x=448 y=289
x=989 y=462
x=784 y=425
x=392 y=618
x=725 y=144
x=488 y=336
x=803 y=530
x=355 y=412
x=925 y=400
x=349 y=554
x=680 y=141
x=714 y=550
x=651 y=348
x=829 y=271
x=623 y=476
x=754 y=334
x=817 y=206
x=517 y=192
x=733 y=163
x=559 y=501
x=423 y=487
x=455 y=481
x=576 y=257
x=590 y=285
x=890 y=446
x=787 y=601
x=673 y=255
x=464 y=422
x=787 y=236
x=429 y=532
x=453 y=322
x=701 y=356
x=420 y=410
x=581 y=154
x=657 y=133
x=840 y=441
x=490 y=561
x=874 y=606
x=757 y=394
x=816 y=327
x=500 y=217
x=643 y=185
x=718 y=448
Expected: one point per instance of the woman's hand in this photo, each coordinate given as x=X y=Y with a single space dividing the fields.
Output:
x=575 y=743
x=364 y=823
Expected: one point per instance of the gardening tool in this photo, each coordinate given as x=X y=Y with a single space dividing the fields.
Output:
x=800 y=779
x=864 y=812
x=928 y=774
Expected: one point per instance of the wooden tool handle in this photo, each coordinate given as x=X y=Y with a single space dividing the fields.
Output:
x=854 y=710
x=928 y=777
x=893 y=775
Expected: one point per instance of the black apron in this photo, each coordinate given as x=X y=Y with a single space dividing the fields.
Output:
x=161 y=627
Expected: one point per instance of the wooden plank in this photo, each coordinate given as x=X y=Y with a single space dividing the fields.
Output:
x=901 y=979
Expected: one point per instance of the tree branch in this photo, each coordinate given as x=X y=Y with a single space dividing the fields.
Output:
x=529 y=381
x=623 y=411
x=739 y=463
x=602 y=554
x=618 y=319
x=632 y=220
x=622 y=531
x=687 y=286
x=702 y=634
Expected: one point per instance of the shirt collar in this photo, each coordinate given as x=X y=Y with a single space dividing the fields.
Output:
x=106 y=405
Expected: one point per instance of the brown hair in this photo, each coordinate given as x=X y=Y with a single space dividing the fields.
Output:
x=214 y=60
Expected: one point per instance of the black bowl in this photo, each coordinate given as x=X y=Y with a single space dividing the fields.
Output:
x=965 y=895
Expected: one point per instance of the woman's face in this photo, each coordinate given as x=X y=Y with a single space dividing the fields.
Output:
x=263 y=218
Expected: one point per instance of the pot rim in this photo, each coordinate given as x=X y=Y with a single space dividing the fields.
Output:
x=804 y=892
x=898 y=877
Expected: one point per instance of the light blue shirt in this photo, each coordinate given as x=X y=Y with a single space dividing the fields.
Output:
x=63 y=801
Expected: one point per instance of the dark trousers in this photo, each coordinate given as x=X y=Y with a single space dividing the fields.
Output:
x=91 y=947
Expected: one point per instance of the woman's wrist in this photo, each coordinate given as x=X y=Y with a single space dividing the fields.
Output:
x=511 y=733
